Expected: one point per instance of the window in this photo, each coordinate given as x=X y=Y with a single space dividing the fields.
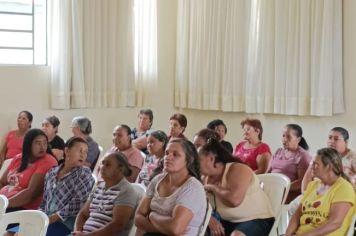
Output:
x=23 y=32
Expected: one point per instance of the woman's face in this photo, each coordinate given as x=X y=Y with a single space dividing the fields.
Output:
x=174 y=159
x=336 y=141
x=110 y=168
x=289 y=140
x=39 y=146
x=198 y=141
x=23 y=122
x=318 y=168
x=76 y=131
x=175 y=129
x=48 y=128
x=121 y=138
x=144 y=122
x=154 y=146
x=206 y=163
x=250 y=133
x=220 y=129
x=77 y=154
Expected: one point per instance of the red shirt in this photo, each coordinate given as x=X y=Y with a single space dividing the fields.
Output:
x=13 y=144
x=19 y=181
x=249 y=155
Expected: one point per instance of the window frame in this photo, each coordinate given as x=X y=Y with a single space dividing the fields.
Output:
x=32 y=31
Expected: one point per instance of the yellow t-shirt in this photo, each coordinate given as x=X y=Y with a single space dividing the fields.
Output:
x=316 y=207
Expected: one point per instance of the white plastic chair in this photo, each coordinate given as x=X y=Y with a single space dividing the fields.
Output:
x=276 y=186
x=206 y=220
x=351 y=230
x=32 y=222
x=3 y=205
x=141 y=190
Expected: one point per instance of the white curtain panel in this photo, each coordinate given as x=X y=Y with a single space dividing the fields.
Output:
x=257 y=56
x=93 y=57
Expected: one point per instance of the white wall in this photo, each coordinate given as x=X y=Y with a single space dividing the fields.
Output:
x=27 y=88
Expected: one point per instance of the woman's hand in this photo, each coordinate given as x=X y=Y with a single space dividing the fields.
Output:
x=210 y=188
x=216 y=228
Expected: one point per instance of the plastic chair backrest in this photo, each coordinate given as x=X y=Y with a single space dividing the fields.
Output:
x=351 y=230
x=4 y=202
x=32 y=222
x=141 y=190
x=206 y=220
x=276 y=186
x=4 y=166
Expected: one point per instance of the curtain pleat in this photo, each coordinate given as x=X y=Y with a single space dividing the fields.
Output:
x=97 y=58
x=256 y=56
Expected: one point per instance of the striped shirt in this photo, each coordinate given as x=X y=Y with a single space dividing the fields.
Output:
x=104 y=200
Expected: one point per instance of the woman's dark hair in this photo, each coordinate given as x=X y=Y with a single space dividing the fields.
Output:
x=160 y=136
x=214 y=147
x=191 y=156
x=344 y=133
x=182 y=120
x=332 y=157
x=83 y=123
x=298 y=131
x=27 y=146
x=215 y=123
x=53 y=120
x=122 y=162
x=207 y=134
x=28 y=115
x=73 y=140
x=255 y=123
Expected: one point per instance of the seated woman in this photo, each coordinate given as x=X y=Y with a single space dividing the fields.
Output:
x=22 y=183
x=12 y=144
x=81 y=127
x=338 y=139
x=153 y=165
x=55 y=143
x=220 y=127
x=67 y=188
x=252 y=150
x=203 y=136
x=123 y=143
x=177 y=124
x=175 y=201
x=110 y=208
x=140 y=132
x=328 y=203
x=293 y=159
x=239 y=203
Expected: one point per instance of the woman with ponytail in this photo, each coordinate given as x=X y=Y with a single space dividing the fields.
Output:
x=328 y=203
x=239 y=203
x=292 y=159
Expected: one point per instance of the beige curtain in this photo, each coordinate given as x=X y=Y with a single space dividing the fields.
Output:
x=97 y=58
x=257 y=56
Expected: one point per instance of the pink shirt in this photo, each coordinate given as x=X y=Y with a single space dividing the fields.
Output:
x=13 y=144
x=289 y=165
x=19 y=181
x=249 y=155
x=133 y=155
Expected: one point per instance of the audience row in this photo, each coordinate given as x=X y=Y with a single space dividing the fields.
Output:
x=175 y=172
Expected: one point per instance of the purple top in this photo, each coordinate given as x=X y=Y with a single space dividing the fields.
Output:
x=288 y=163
